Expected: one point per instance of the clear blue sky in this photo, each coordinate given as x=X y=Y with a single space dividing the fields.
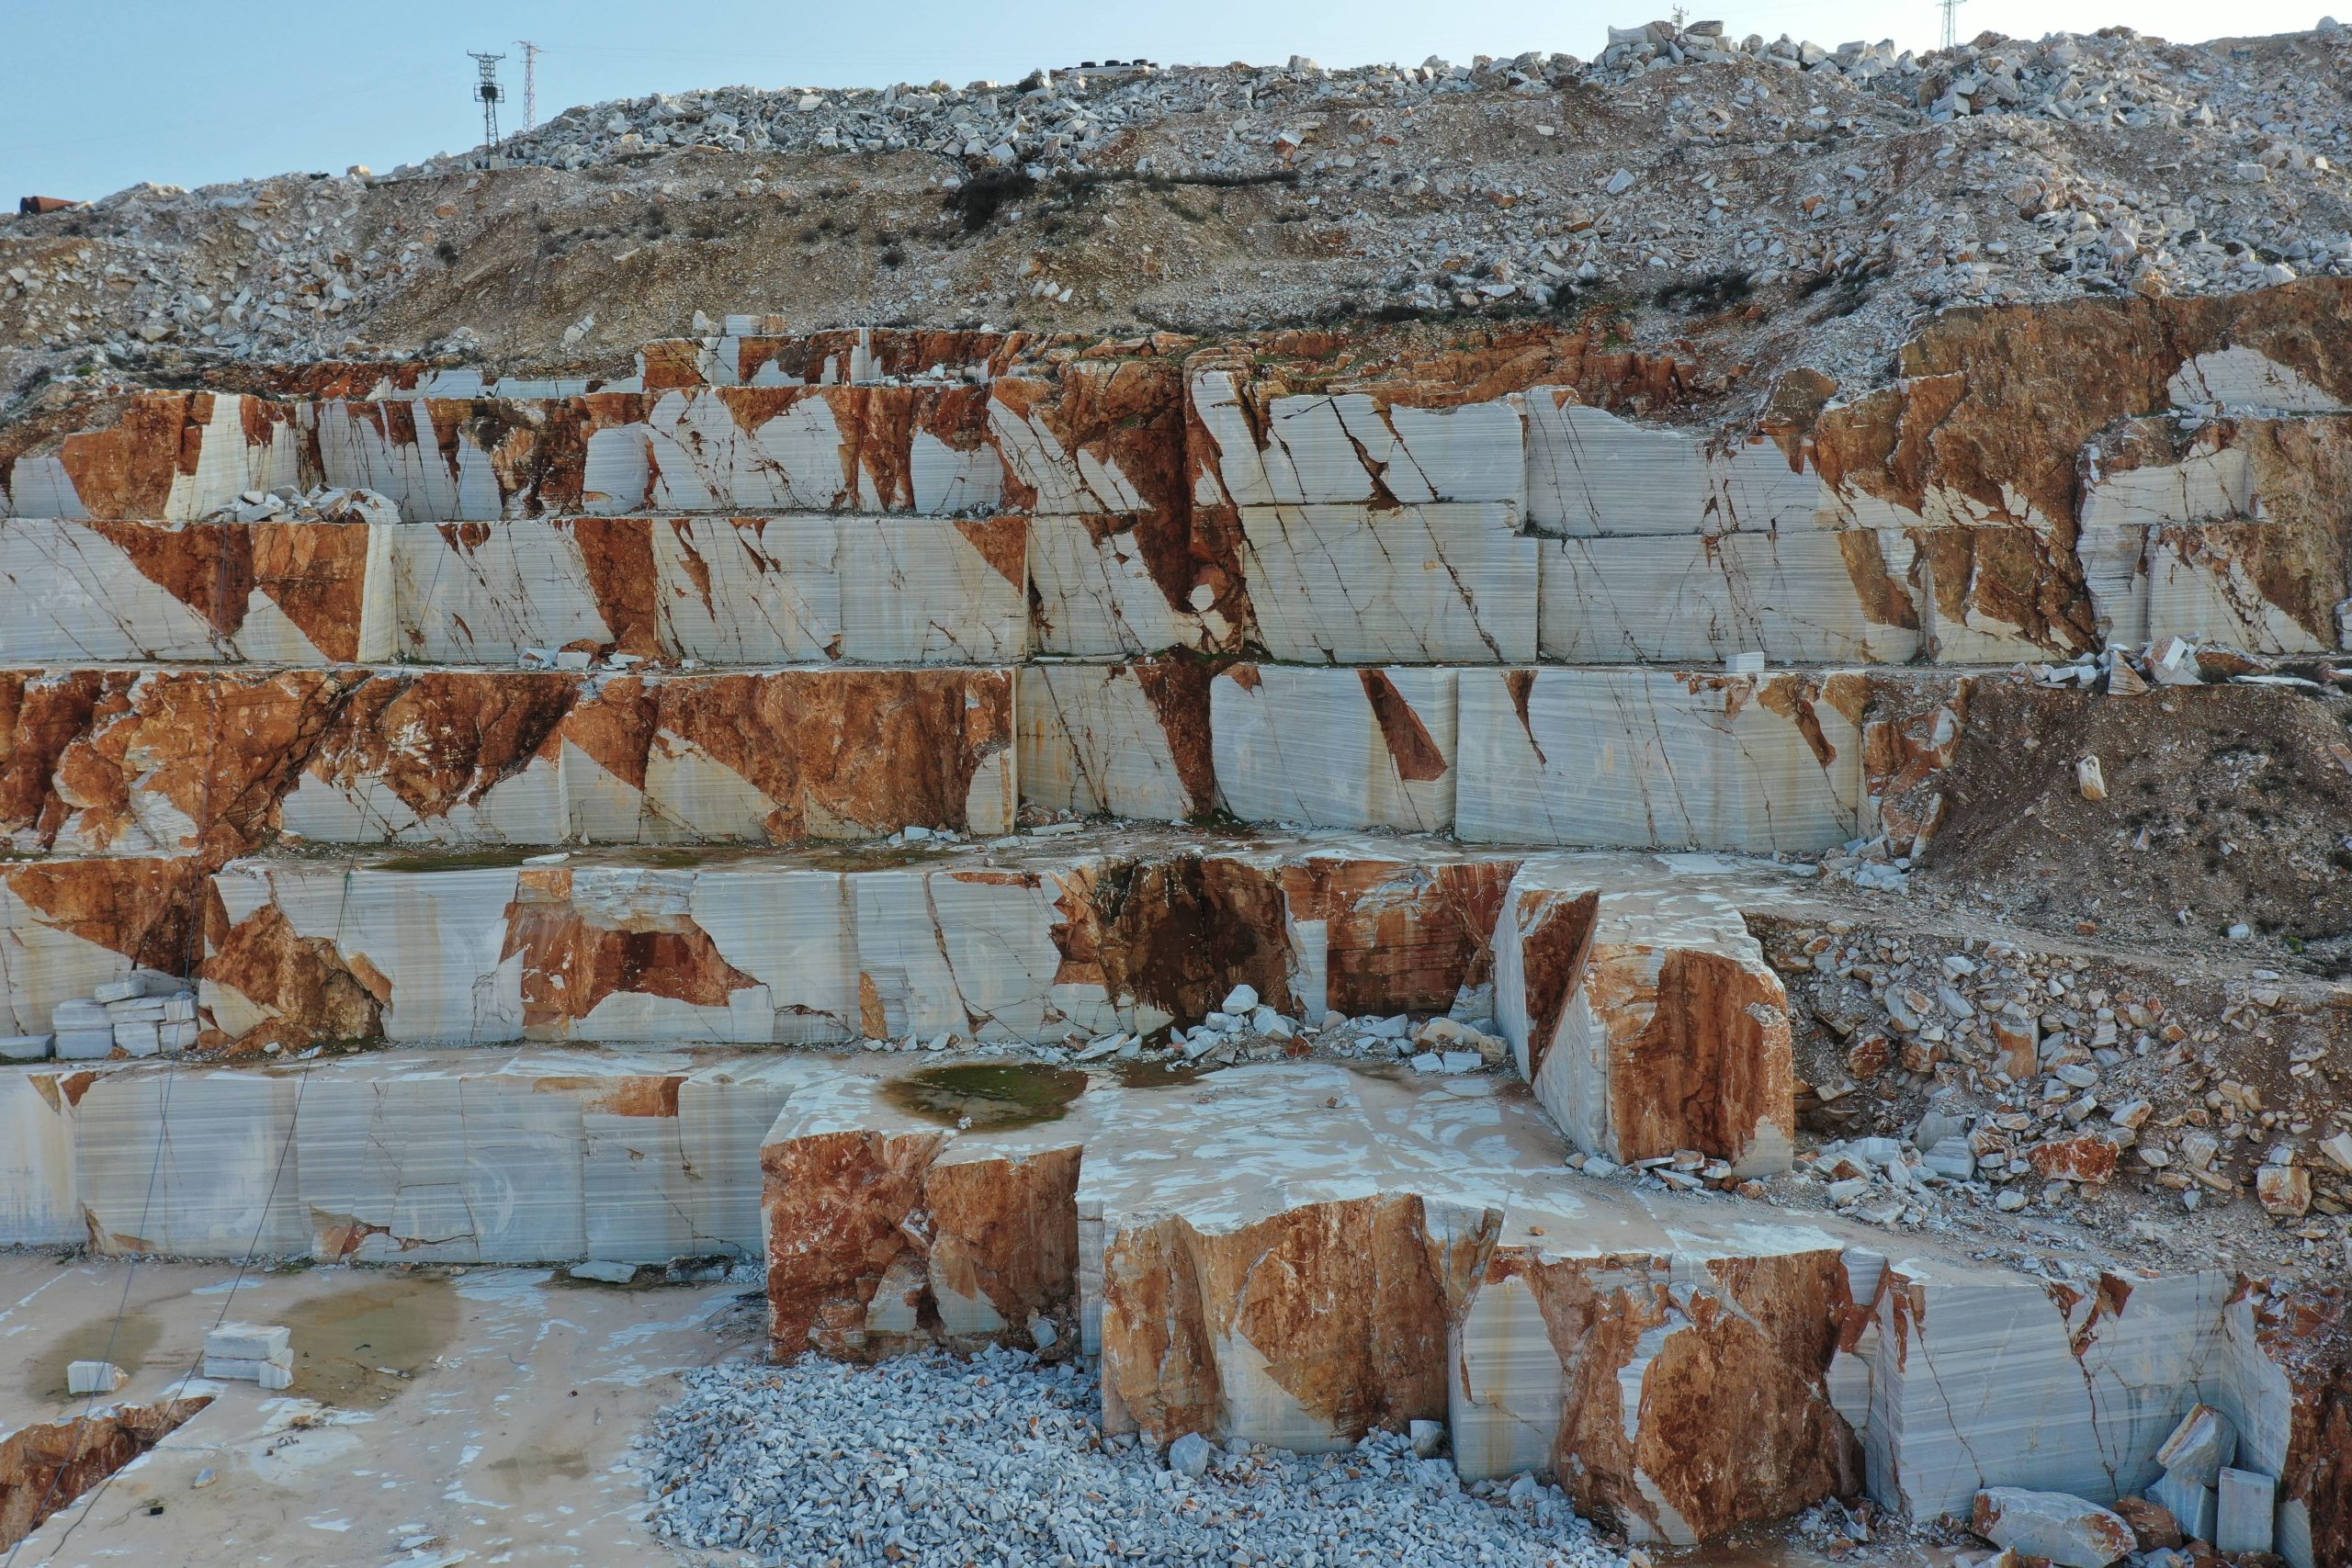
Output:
x=95 y=95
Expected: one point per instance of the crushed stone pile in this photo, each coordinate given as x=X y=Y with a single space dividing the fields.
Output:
x=1802 y=200
x=931 y=1461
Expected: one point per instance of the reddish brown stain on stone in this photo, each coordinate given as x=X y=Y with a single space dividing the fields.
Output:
x=1411 y=746
x=1555 y=938
x=314 y=992
x=443 y=739
x=618 y=556
x=1003 y=543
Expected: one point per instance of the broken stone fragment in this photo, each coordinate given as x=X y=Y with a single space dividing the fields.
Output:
x=2153 y=1525
x=2062 y=1529
x=2203 y=1442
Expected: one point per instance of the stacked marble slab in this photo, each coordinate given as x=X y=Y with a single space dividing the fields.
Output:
x=1293 y=1254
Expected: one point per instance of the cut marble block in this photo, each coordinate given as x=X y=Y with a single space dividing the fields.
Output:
x=265 y=593
x=1348 y=447
x=904 y=448
x=1630 y=757
x=1129 y=739
x=1412 y=584
x=1293 y=1254
x=538 y=758
x=1991 y=1379
x=68 y=926
x=1590 y=472
x=723 y=590
x=1813 y=597
x=40 y=1205
x=1113 y=586
x=1645 y=1017
x=473 y=1157
x=1335 y=748
x=1041 y=941
x=1097 y=437
x=165 y=454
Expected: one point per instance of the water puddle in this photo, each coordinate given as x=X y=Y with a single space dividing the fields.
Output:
x=45 y=1378
x=993 y=1096
x=358 y=1349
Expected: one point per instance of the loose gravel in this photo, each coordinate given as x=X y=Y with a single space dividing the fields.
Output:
x=998 y=1461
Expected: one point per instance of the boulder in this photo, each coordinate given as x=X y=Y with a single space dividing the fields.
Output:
x=2068 y=1531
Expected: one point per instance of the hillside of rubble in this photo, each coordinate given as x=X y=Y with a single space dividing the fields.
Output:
x=1754 y=204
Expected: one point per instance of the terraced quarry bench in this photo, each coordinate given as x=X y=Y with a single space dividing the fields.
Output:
x=692 y=729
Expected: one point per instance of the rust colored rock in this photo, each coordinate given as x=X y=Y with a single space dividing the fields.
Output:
x=573 y=959
x=114 y=760
x=2152 y=1525
x=1348 y=1304
x=1756 y=1334
x=301 y=990
x=1180 y=934
x=46 y=1468
x=1401 y=939
x=879 y=1241
x=143 y=907
x=438 y=738
x=2089 y=1157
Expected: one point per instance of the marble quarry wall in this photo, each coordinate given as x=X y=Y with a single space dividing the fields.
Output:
x=591 y=739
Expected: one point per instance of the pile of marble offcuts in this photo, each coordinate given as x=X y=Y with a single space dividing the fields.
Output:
x=141 y=1014
x=1124 y=708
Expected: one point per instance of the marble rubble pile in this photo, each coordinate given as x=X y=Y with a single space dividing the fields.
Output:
x=1269 y=853
x=1900 y=183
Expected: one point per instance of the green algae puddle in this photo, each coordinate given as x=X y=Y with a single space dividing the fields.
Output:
x=992 y=1096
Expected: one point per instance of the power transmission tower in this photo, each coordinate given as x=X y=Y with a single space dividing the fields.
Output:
x=531 y=53
x=486 y=89
x=1951 y=30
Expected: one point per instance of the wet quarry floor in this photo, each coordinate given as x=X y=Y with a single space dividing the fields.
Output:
x=436 y=1413
x=438 y=1416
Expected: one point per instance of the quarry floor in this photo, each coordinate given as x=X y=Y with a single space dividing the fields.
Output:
x=438 y=1417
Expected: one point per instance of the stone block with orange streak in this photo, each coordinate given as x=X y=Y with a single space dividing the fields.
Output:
x=886 y=1231
x=460 y=756
x=1052 y=940
x=1639 y=758
x=1369 y=748
x=260 y=592
x=1643 y=1013
x=753 y=590
x=1296 y=1254
x=173 y=456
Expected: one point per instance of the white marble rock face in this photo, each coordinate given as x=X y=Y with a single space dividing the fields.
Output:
x=1347 y=447
x=1096 y=597
x=1694 y=598
x=74 y=594
x=509 y=1157
x=1640 y=758
x=1336 y=747
x=1413 y=584
x=1093 y=738
x=791 y=589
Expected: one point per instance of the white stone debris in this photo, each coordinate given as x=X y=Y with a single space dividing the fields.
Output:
x=94 y=1377
x=916 y=1461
